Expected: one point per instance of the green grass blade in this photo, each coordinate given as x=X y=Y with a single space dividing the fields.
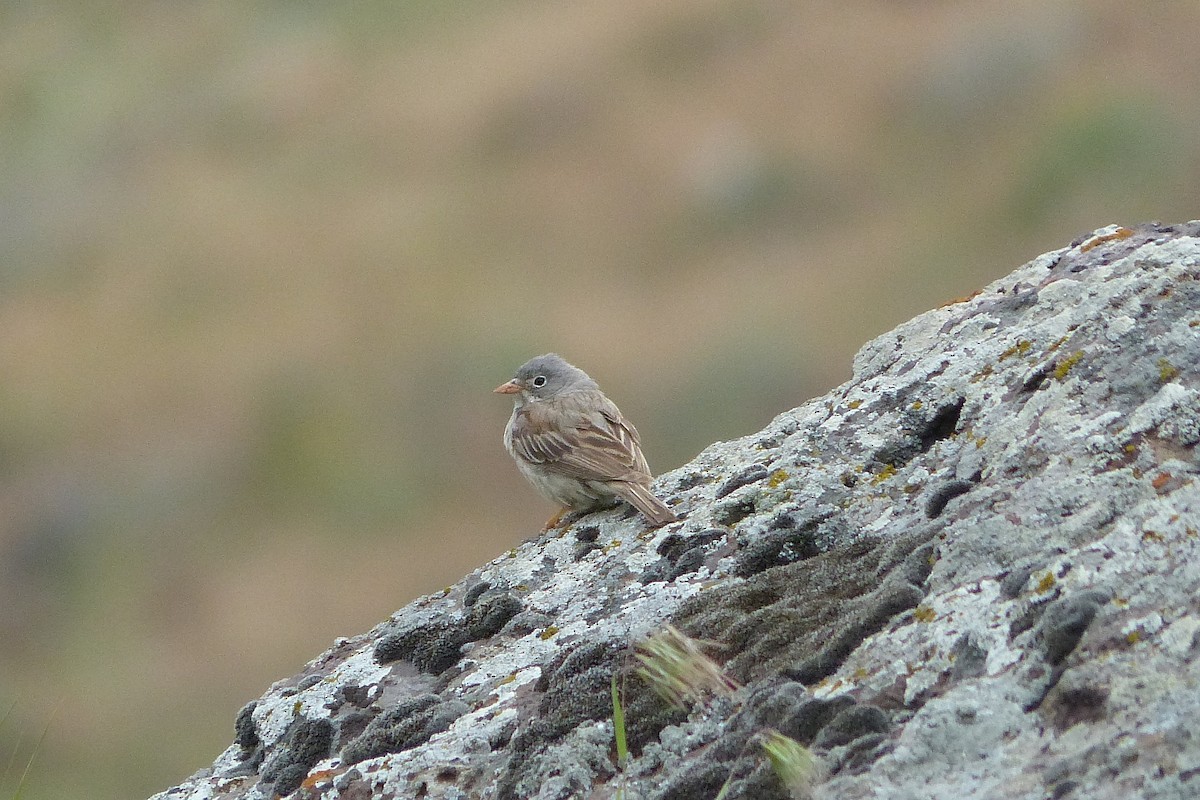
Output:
x=33 y=756
x=619 y=724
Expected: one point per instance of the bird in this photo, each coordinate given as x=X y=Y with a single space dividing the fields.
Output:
x=573 y=443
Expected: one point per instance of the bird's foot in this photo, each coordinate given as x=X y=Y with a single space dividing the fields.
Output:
x=553 y=521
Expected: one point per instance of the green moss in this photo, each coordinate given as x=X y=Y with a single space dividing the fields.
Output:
x=1067 y=364
x=548 y=633
x=1166 y=371
x=777 y=477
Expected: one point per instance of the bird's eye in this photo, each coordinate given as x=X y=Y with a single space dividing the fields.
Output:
x=539 y=381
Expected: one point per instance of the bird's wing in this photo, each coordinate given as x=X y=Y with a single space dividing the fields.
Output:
x=582 y=435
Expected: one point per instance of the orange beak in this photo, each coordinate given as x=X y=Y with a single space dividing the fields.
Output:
x=512 y=387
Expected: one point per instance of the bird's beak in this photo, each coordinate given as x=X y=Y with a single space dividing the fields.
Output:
x=512 y=387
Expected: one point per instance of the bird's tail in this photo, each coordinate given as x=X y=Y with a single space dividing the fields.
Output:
x=641 y=498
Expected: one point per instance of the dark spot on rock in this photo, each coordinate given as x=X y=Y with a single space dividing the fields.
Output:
x=503 y=736
x=489 y=615
x=583 y=549
x=918 y=434
x=353 y=724
x=850 y=724
x=307 y=742
x=587 y=533
x=1036 y=379
x=775 y=549
x=578 y=659
x=1063 y=789
x=1066 y=620
x=942 y=424
x=308 y=682
x=579 y=697
x=1013 y=582
x=474 y=592
x=658 y=572
x=646 y=713
x=691 y=481
x=751 y=474
x=288 y=778
x=689 y=562
x=943 y=494
x=244 y=734
x=759 y=782
x=357 y=696
x=731 y=743
x=404 y=727
x=351 y=786
x=700 y=779
x=970 y=660
x=806 y=722
x=674 y=545
x=1078 y=704
x=731 y=514
x=433 y=647
x=863 y=751
x=772 y=703
x=527 y=622
x=680 y=555
x=1028 y=618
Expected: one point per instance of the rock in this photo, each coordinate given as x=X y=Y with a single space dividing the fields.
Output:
x=970 y=571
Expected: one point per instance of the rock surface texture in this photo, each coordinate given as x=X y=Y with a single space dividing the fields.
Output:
x=971 y=571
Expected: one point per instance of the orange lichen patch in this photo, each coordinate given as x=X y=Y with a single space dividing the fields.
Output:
x=319 y=777
x=1018 y=349
x=1119 y=233
x=1160 y=480
x=958 y=300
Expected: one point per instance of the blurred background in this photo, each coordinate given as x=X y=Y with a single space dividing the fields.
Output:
x=261 y=265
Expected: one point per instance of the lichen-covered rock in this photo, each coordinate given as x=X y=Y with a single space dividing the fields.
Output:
x=970 y=571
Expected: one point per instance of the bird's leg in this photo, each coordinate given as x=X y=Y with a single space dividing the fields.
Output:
x=557 y=518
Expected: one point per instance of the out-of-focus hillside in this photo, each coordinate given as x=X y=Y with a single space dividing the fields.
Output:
x=260 y=266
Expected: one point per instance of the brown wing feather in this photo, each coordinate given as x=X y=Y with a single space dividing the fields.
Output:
x=588 y=438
